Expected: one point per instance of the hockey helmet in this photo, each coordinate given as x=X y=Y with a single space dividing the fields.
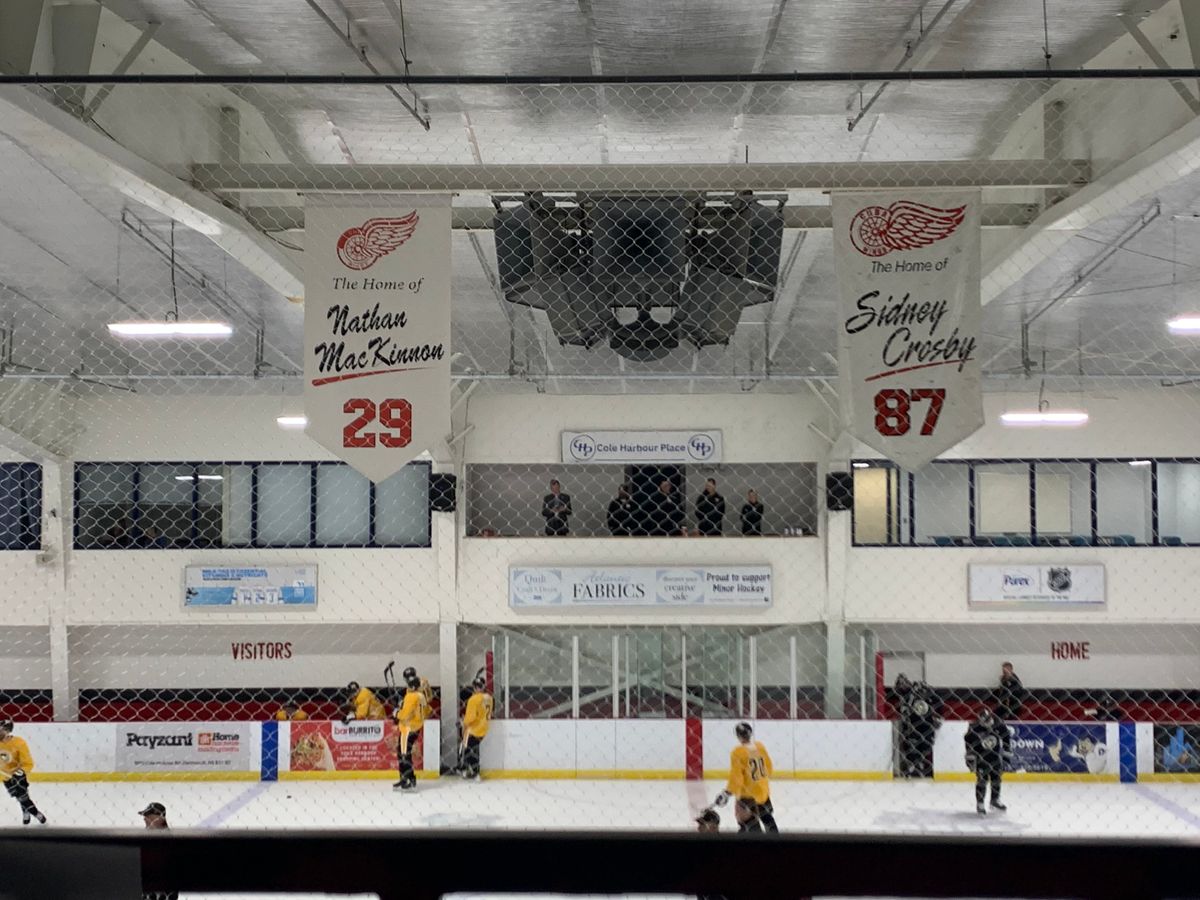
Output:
x=411 y=678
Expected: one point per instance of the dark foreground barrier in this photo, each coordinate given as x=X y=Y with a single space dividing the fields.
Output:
x=424 y=865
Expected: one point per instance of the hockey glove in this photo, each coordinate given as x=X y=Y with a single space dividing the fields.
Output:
x=722 y=798
x=971 y=761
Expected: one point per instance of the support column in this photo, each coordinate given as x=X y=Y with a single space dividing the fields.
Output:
x=835 y=670
x=56 y=528
x=448 y=679
x=837 y=547
x=574 y=676
x=616 y=676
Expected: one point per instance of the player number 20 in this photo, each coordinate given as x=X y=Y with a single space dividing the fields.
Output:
x=893 y=410
x=758 y=770
x=395 y=417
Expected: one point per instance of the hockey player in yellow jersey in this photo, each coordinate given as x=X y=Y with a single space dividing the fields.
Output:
x=363 y=703
x=476 y=719
x=16 y=762
x=410 y=719
x=750 y=771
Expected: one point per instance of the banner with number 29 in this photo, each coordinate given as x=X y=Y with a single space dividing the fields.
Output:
x=377 y=327
x=908 y=346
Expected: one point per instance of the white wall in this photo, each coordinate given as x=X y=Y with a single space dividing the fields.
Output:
x=1144 y=584
x=526 y=428
x=24 y=658
x=353 y=585
x=203 y=655
x=1128 y=657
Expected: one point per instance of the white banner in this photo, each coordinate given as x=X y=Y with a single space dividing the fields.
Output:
x=1049 y=585
x=250 y=588
x=908 y=345
x=640 y=586
x=679 y=447
x=183 y=747
x=377 y=327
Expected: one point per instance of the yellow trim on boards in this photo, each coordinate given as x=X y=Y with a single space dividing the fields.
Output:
x=808 y=775
x=1111 y=777
x=1168 y=777
x=584 y=774
x=143 y=776
x=351 y=775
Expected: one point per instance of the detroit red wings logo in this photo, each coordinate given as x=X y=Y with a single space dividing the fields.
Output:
x=360 y=248
x=878 y=230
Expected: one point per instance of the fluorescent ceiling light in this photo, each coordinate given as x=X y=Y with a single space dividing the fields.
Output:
x=1139 y=462
x=170 y=329
x=200 y=477
x=1053 y=419
x=861 y=465
x=1184 y=325
x=291 y=421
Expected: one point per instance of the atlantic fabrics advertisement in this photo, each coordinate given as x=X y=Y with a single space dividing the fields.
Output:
x=377 y=327
x=359 y=746
x=908 y=273
x=1043 y=747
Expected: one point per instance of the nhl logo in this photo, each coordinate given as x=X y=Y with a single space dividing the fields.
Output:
x=1059 y=580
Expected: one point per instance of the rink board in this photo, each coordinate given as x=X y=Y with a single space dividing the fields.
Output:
x=564 y=749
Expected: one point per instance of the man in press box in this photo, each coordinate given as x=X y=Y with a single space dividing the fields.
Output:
x=710 y=510
x=556 y=510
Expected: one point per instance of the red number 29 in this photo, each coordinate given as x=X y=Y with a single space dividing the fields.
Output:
x=893 y=408
x=394 y=415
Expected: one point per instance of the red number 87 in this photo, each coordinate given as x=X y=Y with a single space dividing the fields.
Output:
x=394 y=415
x=893 y=410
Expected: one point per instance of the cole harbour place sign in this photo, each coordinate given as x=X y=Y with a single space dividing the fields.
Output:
x=679 y=447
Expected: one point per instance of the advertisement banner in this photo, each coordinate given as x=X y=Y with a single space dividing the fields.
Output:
x=377 y=327
x=1039 y=747
x=620 y=447
x=908 y=276
x=360 y=746
x=250 y=588
x=640 y=586
x=1177 y=748
x=1035 y=585
x=183 y=747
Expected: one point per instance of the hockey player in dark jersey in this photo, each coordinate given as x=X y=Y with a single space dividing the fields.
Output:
x=989 y=750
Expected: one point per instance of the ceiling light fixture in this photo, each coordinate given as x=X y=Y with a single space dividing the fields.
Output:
x=291 y=421
x=861 y=465
x=1060 y=418
x=200 y=477
x=1139 y=462
x=170 y=329
x=1184 y=325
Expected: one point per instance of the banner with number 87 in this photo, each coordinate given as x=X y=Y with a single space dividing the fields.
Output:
x=908 y=347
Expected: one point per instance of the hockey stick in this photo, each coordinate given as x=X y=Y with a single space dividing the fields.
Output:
x=389 y=680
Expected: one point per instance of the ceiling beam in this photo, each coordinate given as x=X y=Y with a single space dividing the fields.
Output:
x=1136 y=180
x=1156 y=57
x=56 y=136
x=481 y=218
x=992 y=173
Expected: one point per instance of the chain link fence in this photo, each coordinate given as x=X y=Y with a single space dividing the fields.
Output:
x=625 y=256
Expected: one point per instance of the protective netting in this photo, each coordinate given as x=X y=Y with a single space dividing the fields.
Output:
x=633 y=258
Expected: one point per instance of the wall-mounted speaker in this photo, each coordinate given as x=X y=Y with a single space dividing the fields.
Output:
x=839 y=491
x=442 y=492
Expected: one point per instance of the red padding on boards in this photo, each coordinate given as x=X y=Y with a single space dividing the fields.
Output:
x=694 y=749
